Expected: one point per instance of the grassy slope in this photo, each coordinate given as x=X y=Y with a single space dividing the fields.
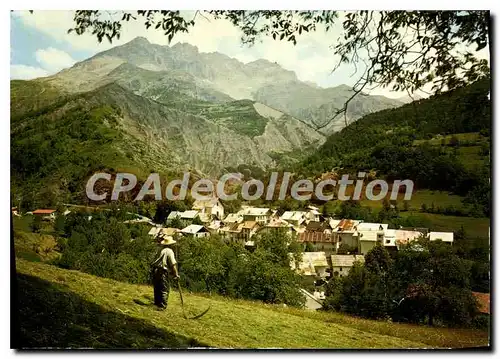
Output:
x=474 y=227
x=419 y=197
x=105 y=313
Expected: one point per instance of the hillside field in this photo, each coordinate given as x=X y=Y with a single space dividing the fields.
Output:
x=102 y=313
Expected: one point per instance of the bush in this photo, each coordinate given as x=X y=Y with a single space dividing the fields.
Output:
x=106 y=247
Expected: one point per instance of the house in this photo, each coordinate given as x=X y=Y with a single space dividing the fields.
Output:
x=390 y=239
x=232 y=231
x=259 y=215
x=345 y=232
x=276 y=224
x=311 y=303
x=322 y=227
x=233 y=218
x=341 y=264
x=313 y=263
x=211 y=207
x=189 y=215
x=295 y=218
x=446 y=237
x=320 y=241
x=248 y=229
x=404 y=237
x=483 y=302
x=196 y=231
x=369 y=234
x=367 y=226
x=422 y=230
x=313 y=214
x=333 y=223
x=214 y=226
x=48 y=214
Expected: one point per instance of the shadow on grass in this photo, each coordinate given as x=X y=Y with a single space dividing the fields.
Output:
x=50 y=317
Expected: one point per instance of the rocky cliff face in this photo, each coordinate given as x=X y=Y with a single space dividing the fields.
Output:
x=200 y=109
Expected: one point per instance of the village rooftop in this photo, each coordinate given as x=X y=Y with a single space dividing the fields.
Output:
x=204 y=189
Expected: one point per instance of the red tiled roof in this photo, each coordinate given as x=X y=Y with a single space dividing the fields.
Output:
x=44 y=211
x=345 y=224
x=483 y=301
x=315 y=237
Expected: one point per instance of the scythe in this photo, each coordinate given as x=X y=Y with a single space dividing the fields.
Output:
x=182 y=305
x=182 y=298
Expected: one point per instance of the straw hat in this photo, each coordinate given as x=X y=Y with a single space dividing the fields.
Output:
x=166 y=240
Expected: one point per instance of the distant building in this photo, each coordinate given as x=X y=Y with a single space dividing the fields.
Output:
x=249 y=229
x=369 y=234
x=189 y=215
x=404 y=237
x=324 y=242
x=312 y=302
x=313 y=214
x=45 y=213
x=211 y=207
x=232 y=231
x=345 y=232
x=312 y=264
x=342 y=264
x=390 y=239
x=259 y=215
x=196 y=231
x=295 y=218
x=446 y=237
x=277 y=224
x=233 y=218
x=322 y=227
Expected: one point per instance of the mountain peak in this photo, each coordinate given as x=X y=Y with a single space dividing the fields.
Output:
x=139 y=40
x=263 y=62
x=185 y=47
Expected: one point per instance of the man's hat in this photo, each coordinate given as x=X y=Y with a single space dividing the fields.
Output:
x=166 y=240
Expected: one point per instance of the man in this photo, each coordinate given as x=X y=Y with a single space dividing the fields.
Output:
x=163 y=268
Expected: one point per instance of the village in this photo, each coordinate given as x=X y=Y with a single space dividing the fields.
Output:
x=331 y=245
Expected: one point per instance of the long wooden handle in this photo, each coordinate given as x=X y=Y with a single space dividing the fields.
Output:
x=182 y=299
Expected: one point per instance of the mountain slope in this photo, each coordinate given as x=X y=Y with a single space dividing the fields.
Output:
x=463 y=110
x=441 y=143
x=56 y=147
x=212 y=74
x=318 y=105
x=109 y=314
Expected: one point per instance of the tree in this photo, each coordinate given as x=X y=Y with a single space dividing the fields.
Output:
x=344 y=248
x=279 y=244
x=36 y=224
x=431 y=283
x=403 y=50
x=197 y=220
x=309 y=247
x=378 y=260
x=175 y=222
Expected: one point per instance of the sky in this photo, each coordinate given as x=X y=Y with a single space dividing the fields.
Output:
x=41 y=46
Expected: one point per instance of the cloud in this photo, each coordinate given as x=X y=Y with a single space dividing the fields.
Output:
x=312 y=59
x=23 y=72
x=53 y=59
x=209 y=35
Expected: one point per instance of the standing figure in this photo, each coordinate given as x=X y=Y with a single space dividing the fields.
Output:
x=164 y=267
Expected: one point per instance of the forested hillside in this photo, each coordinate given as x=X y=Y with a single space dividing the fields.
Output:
x=441 y=143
